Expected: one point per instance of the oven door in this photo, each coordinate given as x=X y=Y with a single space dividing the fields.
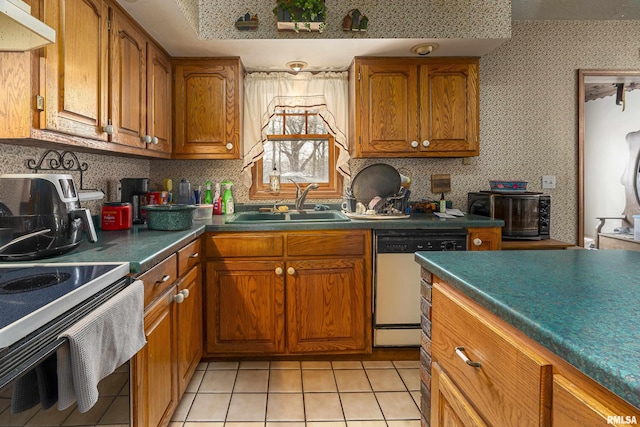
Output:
x=521 y=215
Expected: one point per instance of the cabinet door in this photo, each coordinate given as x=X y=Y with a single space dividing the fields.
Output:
x=207 y=107
x=189 y=327
x=128 y=83
x=387 y=108
x=485 y=239
x=449 y=109
x=245 y=307
x=155 y=391
x=159 y=83
x=574 y=406
x=449 y=407
x=325 y=302
x=76 y=75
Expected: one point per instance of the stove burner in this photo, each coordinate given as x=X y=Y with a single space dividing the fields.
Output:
x=31 y=283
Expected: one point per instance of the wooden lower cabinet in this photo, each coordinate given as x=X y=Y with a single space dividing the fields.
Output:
x=325 y=305
x=449 y=407
x=189 y=332
x=287 y=301
x=161 y=371
x=484 y=239
x=155 y=391
x=517 y=383
x=245 y=307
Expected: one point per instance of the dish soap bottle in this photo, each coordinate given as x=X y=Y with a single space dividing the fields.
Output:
x=208 y=198
x=227 y=198
x=274 y=180
x=217 y=201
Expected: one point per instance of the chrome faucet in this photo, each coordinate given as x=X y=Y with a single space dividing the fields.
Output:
x=301 y=196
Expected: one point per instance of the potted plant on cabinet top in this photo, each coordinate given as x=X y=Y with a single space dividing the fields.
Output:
x=301 y=14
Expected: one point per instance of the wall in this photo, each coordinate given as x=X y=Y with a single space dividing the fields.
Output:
x=528 y=121
x=462 y=19
x=528 y=117
x=101 y=169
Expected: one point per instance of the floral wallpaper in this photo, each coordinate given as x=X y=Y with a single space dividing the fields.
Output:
x=462 y=19
x=528 y=122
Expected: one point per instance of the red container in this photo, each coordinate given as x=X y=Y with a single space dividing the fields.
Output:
x=157 y=198
x=117 y=216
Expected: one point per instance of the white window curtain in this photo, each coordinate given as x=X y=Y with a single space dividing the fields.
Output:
x=265 y=93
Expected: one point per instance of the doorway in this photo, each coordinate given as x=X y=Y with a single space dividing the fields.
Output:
x=609 y=114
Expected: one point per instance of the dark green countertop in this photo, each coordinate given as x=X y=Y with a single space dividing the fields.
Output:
x=144 y=248
x=141 y=247
x=582 y=305
x=416 y=221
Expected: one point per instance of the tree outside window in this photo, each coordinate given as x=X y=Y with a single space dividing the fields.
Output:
x=302 y=151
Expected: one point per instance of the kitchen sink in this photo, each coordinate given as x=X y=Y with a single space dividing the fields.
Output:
x=291 y=216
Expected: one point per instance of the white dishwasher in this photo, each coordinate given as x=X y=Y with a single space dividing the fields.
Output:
x=396 y=307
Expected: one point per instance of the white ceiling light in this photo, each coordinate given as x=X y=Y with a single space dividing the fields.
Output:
x=296 y=66
x=19 y=31
x=424 y=48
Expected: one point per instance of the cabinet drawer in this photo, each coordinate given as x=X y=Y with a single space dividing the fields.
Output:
x=512 y=384
x=244 y=245
x=159 y=278
x=326 y=243
x=189 y=256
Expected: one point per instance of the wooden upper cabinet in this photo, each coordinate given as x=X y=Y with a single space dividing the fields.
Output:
x=159 y=84
x=449 y=109
x=208 y=108
x=128 y=82
x=75 y=68
x=414 y=107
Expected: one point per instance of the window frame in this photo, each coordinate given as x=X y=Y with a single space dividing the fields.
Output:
x=329 y=190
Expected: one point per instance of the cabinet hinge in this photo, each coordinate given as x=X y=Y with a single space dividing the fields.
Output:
x=39 y=103
x=109 y=25
x=358 y=75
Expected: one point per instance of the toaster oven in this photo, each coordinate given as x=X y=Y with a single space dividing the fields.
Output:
x=526 y=215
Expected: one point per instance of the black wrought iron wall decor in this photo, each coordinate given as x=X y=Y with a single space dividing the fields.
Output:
x=53 y=160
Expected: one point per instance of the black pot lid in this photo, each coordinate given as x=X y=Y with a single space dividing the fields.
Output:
x=379 y=179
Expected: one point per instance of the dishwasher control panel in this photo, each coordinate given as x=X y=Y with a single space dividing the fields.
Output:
x=409 y=241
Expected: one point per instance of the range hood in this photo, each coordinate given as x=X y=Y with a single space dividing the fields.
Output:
x=19 y=31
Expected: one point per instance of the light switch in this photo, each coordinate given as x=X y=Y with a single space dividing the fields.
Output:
x=548 y=181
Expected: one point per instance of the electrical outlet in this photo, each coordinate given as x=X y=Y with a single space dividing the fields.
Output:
x=548 y=181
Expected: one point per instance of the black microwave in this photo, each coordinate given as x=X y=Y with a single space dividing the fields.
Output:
x=526 y=215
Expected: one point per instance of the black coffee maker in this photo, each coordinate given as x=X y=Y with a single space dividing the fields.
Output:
x=133 y=191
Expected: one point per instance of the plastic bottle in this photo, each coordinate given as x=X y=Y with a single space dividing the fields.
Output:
x=217 y=201
x=184 y=192
x=274 y=180
x=208 y=198
x=227 y=198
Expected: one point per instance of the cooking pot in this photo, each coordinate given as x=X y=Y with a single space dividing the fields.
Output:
x=44 y=215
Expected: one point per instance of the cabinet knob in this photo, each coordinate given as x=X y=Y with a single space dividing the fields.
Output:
x=185 y=292
x=146 y=139
x=477 y=241
x=229 y=146
x=414 y=144
x=178 y=298
x=108 y=129
x=194 y=255
x=291 y=271
x=460 y=353
x=154 y=140
x=279 y=271
x=426 y=143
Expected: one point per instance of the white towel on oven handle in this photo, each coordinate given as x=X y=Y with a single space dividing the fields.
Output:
x=99 y=343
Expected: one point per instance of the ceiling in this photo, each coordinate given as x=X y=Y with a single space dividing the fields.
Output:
x=169 y=27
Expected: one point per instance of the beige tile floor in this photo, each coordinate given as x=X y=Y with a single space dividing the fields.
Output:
x=302 y=394
x=262 y=394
